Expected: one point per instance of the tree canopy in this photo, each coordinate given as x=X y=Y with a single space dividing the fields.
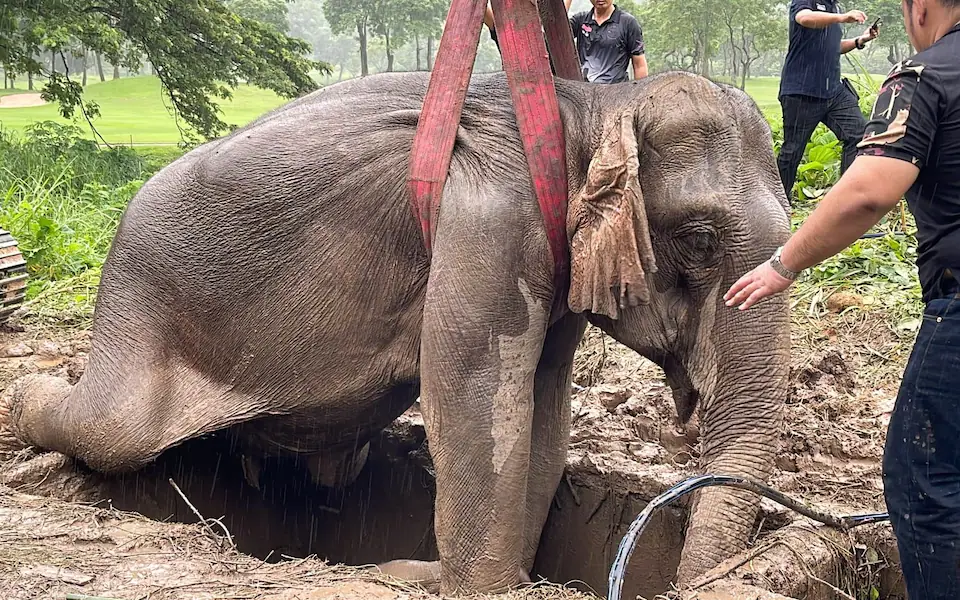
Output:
x=199 y=49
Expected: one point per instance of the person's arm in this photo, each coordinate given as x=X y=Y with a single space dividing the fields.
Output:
x=895 y=146
x=816 y=19
x=633 y=40
x=640 y=69
x=852 y=43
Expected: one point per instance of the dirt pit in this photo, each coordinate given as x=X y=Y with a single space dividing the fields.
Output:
x=625 y=448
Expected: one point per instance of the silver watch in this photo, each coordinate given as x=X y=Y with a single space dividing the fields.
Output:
x=779 y=268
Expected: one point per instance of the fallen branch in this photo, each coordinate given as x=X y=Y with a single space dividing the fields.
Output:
x=204 y=521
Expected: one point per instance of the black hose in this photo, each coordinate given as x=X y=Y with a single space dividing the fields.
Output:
x=629 y=541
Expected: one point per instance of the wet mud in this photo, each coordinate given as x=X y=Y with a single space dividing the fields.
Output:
x=626 y=447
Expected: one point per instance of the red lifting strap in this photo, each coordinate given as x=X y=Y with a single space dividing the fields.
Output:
x=535 y=103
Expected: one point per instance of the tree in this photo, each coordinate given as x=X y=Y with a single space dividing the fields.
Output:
x=200 y=49
x=352 y=15
x=753 y=27
x=307 y=22
x=893 y=34
x=689 y=41
x=426 y=23
x=269 y=12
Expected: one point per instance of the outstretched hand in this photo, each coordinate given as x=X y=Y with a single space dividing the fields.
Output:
x=756 y=285
x=855 y=16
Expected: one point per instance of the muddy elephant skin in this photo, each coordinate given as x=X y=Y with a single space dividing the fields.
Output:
x=274 y=283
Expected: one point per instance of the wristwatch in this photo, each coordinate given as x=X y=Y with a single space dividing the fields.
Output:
x=859 y=43
x=779 y=268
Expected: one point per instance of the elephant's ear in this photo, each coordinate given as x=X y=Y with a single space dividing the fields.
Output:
x=610 y=250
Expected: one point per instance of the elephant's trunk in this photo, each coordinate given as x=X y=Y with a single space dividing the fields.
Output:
x=739 y=429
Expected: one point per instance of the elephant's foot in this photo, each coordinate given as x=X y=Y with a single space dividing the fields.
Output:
x=425 y=574
x=24 y=406
x=337 y=470
x=9 y=443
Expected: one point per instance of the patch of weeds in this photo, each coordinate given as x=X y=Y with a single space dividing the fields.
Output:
x=62 y=198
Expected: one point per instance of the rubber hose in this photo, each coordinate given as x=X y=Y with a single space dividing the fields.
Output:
x=629 y=541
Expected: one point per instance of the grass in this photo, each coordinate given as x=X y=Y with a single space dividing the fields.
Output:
x=133 y=110
x=62 y=199
x=765 y=90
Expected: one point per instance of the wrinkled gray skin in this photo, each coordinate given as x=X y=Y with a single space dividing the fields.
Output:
x=275 y=282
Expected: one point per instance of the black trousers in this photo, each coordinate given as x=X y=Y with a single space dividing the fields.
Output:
x=921 y=460
x=801 y=115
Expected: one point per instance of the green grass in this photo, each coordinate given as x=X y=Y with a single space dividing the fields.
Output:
x=764 y=91
x=133 y=110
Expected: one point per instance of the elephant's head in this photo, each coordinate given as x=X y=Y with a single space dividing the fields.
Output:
x=681 y=197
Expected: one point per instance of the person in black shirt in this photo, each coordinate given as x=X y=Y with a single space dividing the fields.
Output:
x=607 y=40
x=811 y=89
x=911 y=146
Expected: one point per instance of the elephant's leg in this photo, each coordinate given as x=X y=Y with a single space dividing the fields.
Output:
x=551 y=427
x=119 y=423
x=484 y=321
x=338 y=469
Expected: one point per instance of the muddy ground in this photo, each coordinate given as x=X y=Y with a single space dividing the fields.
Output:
x=625 y=448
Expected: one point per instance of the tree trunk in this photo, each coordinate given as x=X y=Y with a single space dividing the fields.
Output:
x=100 y=67
x=430 y=53
x=66 y=67
x=116 y=71
x=83 y=67
x=53 y=61
x=704 y=46
x=416 y=40
x=734 y=52
x=386 y=39
x=30 y=81
x=340 y=74
x=362 y=36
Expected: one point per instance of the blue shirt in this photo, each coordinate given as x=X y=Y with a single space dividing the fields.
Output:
x=812 y=65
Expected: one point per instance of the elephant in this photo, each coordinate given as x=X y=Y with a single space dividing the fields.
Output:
x=275 y=283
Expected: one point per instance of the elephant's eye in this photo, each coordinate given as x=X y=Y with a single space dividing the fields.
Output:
x=698 y=244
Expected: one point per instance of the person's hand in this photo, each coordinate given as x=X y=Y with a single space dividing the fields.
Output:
x=756 y=285
x=870 y=34
x=854 y=16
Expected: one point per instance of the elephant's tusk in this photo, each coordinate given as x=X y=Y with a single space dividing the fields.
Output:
x=629 y=541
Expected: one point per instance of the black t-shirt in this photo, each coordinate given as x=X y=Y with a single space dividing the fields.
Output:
x=605 y=49
x=812 y=64
x=917 y=118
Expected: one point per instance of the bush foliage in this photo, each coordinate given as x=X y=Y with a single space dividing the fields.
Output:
x=62 y=198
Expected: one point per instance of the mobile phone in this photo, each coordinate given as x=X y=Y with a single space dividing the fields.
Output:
x=877 y=23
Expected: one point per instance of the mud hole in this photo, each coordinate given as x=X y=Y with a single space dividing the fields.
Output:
x=625 y=448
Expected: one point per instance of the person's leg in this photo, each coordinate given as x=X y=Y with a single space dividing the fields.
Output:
x=846 y=121
x=801 y=116
x=921 y=462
